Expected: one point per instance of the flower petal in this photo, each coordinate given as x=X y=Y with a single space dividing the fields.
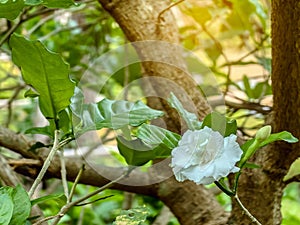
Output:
x=205 y=156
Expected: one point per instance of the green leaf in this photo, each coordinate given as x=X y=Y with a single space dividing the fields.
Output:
x=51 y=3
x=40 y=130
x=136 y=216
x=58 y=3
x=135 y=152
x=239 y=19
x=33 y=2
x=64 y=121
x=251 y=146
x=113 y=114
x=59 y=199
x=6 y=206
x=119 y=113
x=200 y=14
x=252 y=166
x=247 y=87
x=22 y=206
x=46 y=72
x=262 y=89
x=282 y=136
x=31 y=93
x=247 y=144
x=37 y=145
x=190 y=118
x=220 y=123
x=161 y=140
x=10 y=9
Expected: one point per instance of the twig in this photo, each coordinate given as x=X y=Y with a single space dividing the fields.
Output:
x=44 y=220
x=75 y=184
x=38 y=13
x=58 y=30
x=91 y=202
x=46 y=165
x=8 y=33
x=253 y=219
x=168 y=8
x=9 y=104
x=40 y=23
x=63 y=173
x=263 y=109
x=67 y=207
x=15 y=163
x=69 y=197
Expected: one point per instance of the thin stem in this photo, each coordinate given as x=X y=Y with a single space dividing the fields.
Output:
x=44 y=220
x=236 y=182
x=64 y=142
x=168 y=8
x=100 y=189
x=68 y=206
x=75 y=183
x=91 y=202
x=46 y=165
x=224 y=189
x=8 y=33
x=253 y=219
x=63 y=173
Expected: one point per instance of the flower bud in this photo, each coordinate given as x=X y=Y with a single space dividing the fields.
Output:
x=263 y=133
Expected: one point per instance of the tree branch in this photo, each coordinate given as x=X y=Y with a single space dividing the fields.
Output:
x=198 y=201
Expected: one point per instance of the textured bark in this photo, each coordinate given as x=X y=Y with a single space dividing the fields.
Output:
x=261 y=190
x=191 y=203
x=162 y=62
x=161 y=56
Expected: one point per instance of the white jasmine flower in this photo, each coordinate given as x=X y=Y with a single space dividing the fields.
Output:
x=205 y=156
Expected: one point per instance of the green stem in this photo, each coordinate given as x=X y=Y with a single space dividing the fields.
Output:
x=68 y=206
x=224 y=189
x=46 y=164
x=75 y=183
x=249 y=152
x=63 y=172
x=236 y=181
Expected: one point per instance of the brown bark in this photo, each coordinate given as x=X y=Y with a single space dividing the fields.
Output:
x=156 y=40
x=261 y=190
x=162 y=62
x=191 y=203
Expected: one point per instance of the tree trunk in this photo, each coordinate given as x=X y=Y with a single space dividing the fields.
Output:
x=155 y=29
x=156 y=39
x=261 y=190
